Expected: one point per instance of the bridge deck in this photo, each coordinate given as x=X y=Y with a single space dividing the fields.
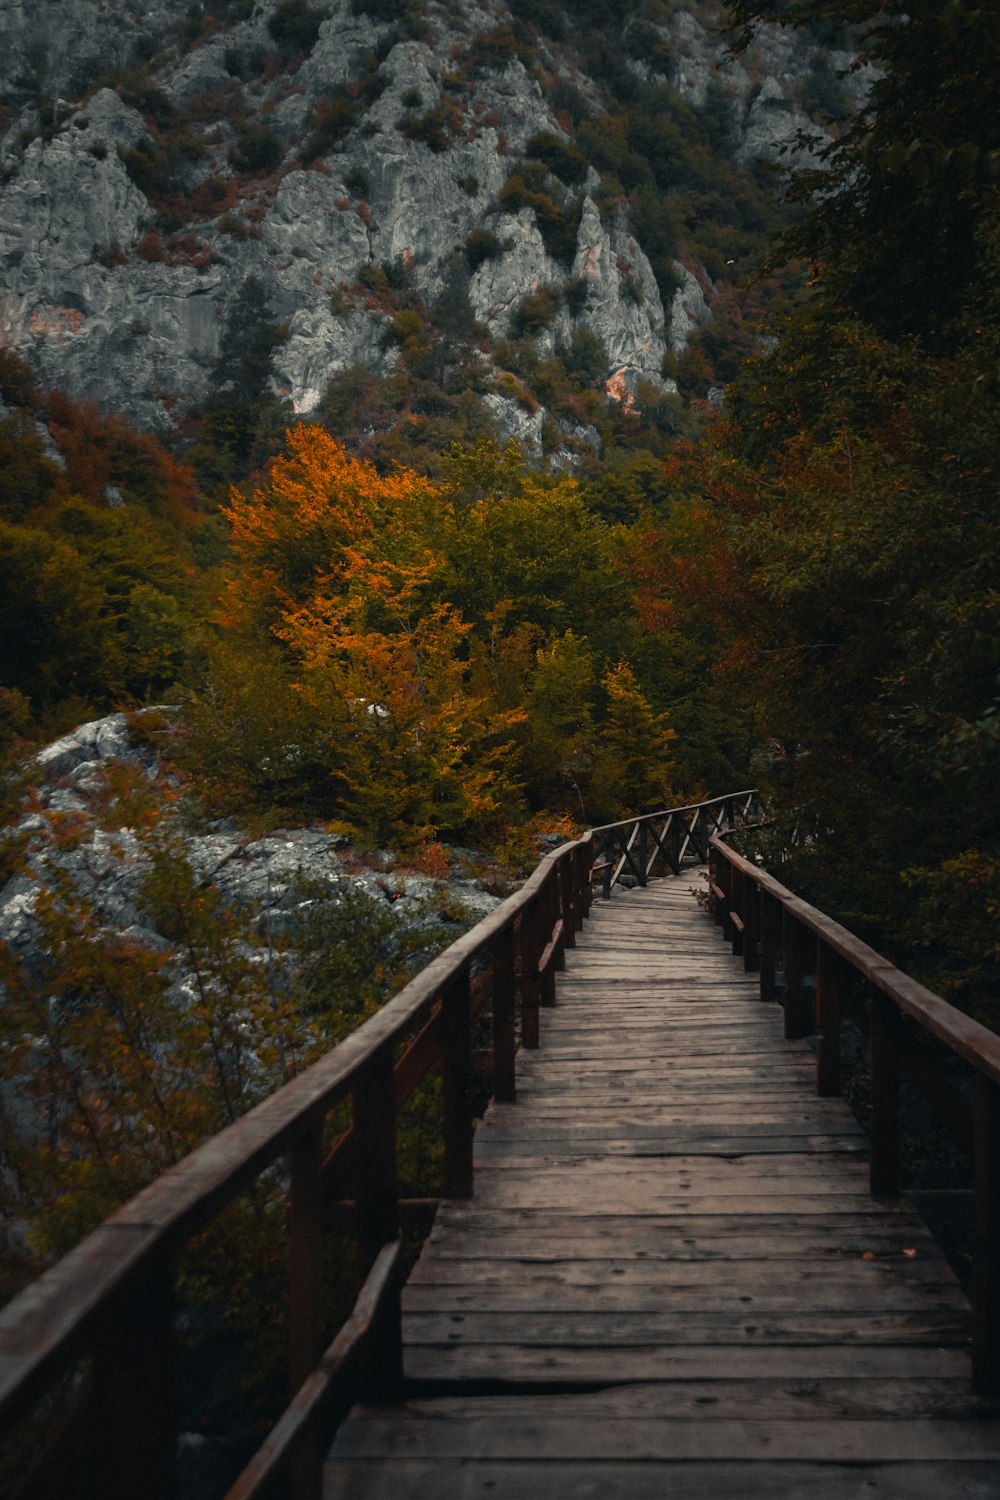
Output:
x=672 y=1281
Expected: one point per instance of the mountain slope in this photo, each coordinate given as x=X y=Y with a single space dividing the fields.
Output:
x=445 y=191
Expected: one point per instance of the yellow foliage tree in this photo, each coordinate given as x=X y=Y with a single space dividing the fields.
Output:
x=339 y=563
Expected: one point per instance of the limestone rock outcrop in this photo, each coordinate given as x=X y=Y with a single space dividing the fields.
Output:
x=131 y=216
x=69 y=828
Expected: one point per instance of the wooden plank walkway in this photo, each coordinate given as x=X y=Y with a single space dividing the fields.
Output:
x=672 y=1282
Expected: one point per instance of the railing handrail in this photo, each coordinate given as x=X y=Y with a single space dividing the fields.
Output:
x=666 y=812
x=763 y=919
x=56 y=1318
x=972 y=1041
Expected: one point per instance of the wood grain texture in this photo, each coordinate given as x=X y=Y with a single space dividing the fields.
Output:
x=672 y=1279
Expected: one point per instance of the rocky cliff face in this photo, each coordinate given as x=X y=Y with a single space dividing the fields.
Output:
x=298 y=148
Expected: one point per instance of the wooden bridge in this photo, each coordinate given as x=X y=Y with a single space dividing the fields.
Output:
x=669 y=1262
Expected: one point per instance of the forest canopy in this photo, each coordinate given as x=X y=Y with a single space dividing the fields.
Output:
x=426 y=638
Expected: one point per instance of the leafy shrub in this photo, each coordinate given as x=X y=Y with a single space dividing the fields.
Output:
x=151 y=247
x=258 y=149
x=548 y=16
x=562 y=158
x=481 y=245
x=647 y=44
x=585 y=356
x=559 y=231
x=407 y=16
x=26 y=474
x=565 y=96
x=295 y=27
x=537 y=311
x=235 y=225
x=245 y=62
x=150 y=101
x=431 y=128
x=494 y=50
x=407 y=324
x=17 y=382
x=144 y=164
x=557 y=225
x=576 y=296
x=331 y=121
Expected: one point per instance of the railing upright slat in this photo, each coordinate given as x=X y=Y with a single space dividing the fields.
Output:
x=883 y=1059
x=504 y=1017
x=794 y=952
x=986 y=1266
x=566 y=874
x=457 y=1025
x=751 y=925
x=531 y=947
x=377 y=1194
x=305 y=1231
x=828 y=1013
x=132 y=1432
x=770 y=945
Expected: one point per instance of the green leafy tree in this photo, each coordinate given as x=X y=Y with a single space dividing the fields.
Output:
x=893 y=212
x=632 y=763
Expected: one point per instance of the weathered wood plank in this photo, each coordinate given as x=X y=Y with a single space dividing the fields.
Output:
x=495 y=1366
x=797 y=1245
x=637 y=1439
x=653 y=1145
x=451 y=1479
x=756 y=1399
x=551 y=1296
x=614 y=1329
x=671 y=1276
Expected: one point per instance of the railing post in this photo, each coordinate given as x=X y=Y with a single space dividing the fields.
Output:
x=529 y=974
x=724 y=880
x=770 y=941
x=610 y=860
x=643 y=855
x=377 y=1197
x=828 y=1012
x=132 y=1407
x=585 y=881
x=751 y=924
x=794 y=948
x=504 y=1037
x=305 y=1296
x=737 y=906
x=676 y=839
x=305 y=1234
x=548 y=913
x=986 y=1262
x=699 y=836
x=884 y=1170
x=555 y=916
x=567 y=896
x=456 y=1017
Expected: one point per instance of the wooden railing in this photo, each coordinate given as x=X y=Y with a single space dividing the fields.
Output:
x=108 y=1307
x=629 y=853
x=821 y=974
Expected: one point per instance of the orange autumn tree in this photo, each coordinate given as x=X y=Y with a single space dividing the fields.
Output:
x=339 y=564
